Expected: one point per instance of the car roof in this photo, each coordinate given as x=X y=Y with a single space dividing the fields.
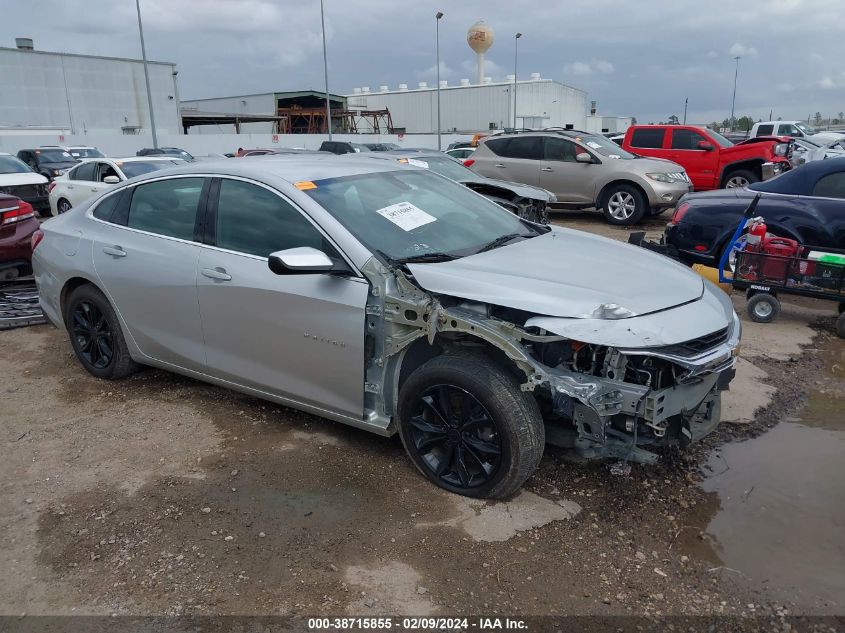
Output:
x=291 y=168
x=129 y=159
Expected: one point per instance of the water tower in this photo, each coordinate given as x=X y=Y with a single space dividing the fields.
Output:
x=480 y=38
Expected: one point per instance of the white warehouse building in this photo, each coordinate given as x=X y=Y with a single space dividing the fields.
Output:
x=478 y=107
x=65 y=93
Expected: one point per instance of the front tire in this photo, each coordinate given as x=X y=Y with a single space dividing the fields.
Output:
x=469 y=428
x=96 y=336
x=623 y=205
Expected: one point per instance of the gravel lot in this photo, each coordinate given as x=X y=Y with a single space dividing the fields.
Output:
x=162 y=495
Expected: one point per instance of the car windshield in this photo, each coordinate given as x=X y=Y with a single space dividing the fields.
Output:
x=12 y=165
x=54 y=156
x=136 y=168
x=86 y=152
x=414 y=214
x=605 y=147
x=721 y=140
x=806 y=129
x=172 y=151
x=443 y=166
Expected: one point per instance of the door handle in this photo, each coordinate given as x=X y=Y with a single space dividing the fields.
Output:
x=499 y=165
x=218 y=274
x=546 y=169
x=94 y=189
x=117 y=251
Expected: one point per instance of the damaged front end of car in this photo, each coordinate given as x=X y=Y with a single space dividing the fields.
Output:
x=603 y=399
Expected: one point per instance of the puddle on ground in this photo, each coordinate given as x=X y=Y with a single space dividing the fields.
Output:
x=778 y=508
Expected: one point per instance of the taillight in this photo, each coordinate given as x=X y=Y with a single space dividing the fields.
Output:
x=469 y=162
x=36 y=238
x=51 y=186
x=680 y=212
x=20 y=211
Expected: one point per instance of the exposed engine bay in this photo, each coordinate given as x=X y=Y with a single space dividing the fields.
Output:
x=601 y=400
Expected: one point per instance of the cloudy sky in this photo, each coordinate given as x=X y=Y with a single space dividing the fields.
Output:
x=635 y=57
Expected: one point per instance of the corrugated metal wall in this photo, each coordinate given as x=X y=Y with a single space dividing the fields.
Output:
x=540 y=103
x=84 y=94
x=248 y=104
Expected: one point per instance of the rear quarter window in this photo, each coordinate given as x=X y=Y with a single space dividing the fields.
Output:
x=648 y=138
x=497 y=145
x=765 y=130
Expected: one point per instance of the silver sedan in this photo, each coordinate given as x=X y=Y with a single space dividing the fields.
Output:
x=397 y=301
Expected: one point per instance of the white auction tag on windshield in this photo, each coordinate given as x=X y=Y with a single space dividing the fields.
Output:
x=406 y=216
x=418 y=163
x=593 y=144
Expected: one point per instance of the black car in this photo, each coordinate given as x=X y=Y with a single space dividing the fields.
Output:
x=343 y=147
x=48 y=161
x=165 y=151
x=381 y=147
x=806 y=204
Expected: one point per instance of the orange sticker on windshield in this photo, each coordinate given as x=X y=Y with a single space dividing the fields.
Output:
x=304 y=185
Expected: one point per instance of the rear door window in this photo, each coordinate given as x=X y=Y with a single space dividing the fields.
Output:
x=525 y=147
x=497 y=145
x=648 y=137
x=166 y=207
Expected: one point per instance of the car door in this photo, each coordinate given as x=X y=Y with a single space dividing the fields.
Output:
x=829 y=204
x=570 y=181
x=145 y=256
x=299 y=337
x=700 y=165
x=516 y=158
x=102 y=171
x=81 y=183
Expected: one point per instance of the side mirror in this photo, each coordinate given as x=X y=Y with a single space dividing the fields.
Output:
x=583 y=157
x=303 y=260
x=707 y=147
x=111 y=180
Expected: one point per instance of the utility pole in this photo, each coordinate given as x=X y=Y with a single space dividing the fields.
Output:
x=686 y=103
x=733 y=101
x=326 y=72
x=437 y=17
x=147 y=76
x=515 y=51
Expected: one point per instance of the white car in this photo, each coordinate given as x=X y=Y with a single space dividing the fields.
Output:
x=84 y=151
x=794 y=129
x=17 y=179
x=461 y=153
x=92 y=176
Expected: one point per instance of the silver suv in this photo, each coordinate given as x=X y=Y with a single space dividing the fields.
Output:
x=584 y=170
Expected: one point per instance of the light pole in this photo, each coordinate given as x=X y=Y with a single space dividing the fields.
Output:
x=147 y=76
x=733 y=102
x=326 y=72
x=437 y=17
x=686 y=103
x=515 y=51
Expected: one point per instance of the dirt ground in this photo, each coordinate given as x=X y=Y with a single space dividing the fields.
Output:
x=162 y=495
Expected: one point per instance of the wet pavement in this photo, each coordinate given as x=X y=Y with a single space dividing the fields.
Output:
x=777 y=508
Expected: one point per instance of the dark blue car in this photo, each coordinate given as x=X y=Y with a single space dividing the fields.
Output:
x=806 y=204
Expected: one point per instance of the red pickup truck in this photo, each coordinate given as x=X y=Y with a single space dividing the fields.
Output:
x=710 y=160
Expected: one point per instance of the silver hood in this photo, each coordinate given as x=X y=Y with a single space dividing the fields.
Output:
x=566 y=273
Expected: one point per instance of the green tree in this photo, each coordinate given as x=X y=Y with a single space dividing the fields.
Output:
x=745 y=123
x=818 y=118
x=673 y=120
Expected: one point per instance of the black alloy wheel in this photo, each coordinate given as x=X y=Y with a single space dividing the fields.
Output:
x=455 y=437
x=93 y=335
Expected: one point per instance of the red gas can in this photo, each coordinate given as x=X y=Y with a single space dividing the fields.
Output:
x=786 y=250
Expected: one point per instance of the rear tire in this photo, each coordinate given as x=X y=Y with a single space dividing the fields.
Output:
x=96 y=336
x=469 y=428
x=763 y=307
x=840 y=325
x=623 y=205
x=740 y=178
x=63 y=206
